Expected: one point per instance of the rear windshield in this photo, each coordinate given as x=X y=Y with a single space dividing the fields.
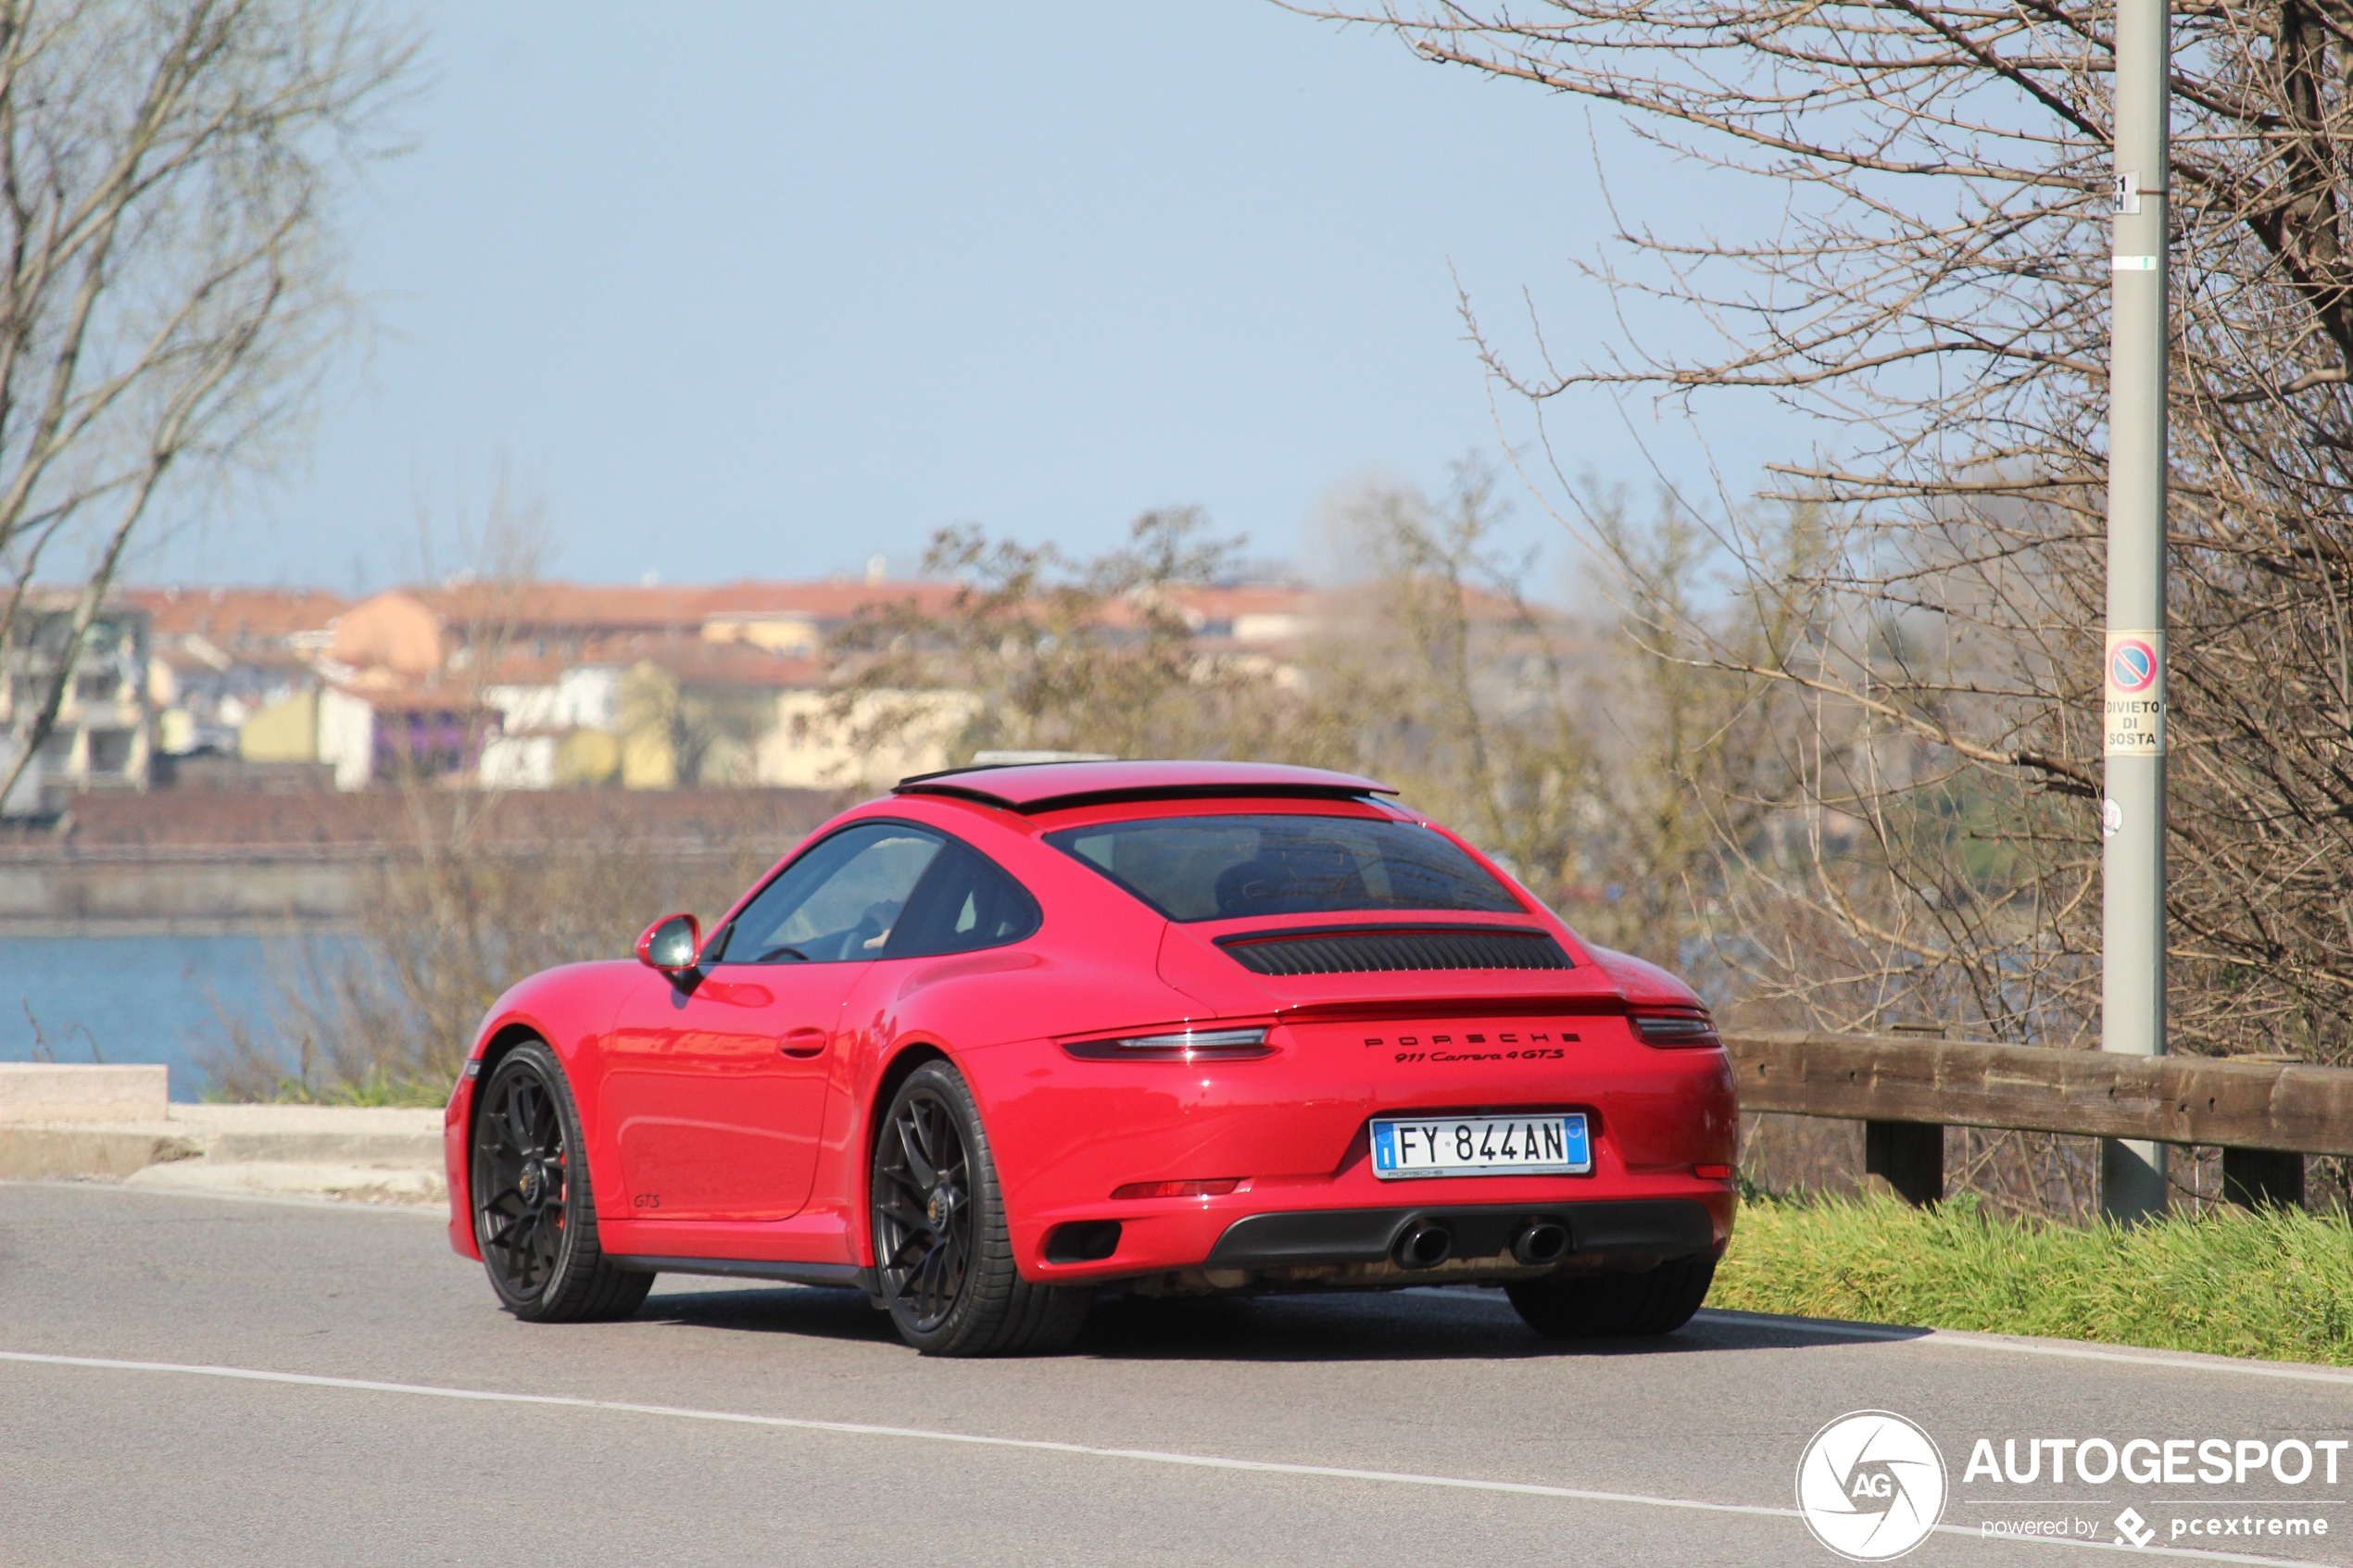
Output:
x=1225 y=868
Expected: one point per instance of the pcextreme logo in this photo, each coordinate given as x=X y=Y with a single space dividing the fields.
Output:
x=1872 y=1485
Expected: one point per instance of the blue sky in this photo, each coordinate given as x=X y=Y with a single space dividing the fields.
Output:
x=766 y=290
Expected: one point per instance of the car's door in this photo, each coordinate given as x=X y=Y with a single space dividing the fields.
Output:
x=715 y=1084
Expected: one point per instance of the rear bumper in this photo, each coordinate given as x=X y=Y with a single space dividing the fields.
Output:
x=1599 y=1233
x=1245 y=1242
x=1292 y=1130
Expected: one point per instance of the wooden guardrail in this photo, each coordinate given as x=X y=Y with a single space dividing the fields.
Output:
x=2265 y=1116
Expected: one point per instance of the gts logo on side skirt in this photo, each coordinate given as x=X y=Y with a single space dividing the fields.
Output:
x=648 y=1200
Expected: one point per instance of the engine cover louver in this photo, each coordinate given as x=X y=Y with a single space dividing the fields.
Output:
x=1362 y=949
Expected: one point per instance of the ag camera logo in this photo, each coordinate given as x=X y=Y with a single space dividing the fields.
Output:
x=1872 y=1485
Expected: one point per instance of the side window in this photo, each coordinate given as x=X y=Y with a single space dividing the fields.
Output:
x=837 y=903
x=964 y=903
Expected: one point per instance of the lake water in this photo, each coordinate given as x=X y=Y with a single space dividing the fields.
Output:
x=132 y=998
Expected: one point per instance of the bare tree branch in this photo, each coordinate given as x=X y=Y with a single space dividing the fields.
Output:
x=168 y=278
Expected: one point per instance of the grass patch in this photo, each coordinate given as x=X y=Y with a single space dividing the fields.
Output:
x=373 y=1087
x=2275 y=1285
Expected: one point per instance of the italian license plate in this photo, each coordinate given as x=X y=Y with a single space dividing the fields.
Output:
x=1481 y=1145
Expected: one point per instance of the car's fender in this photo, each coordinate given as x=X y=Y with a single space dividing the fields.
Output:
x=966 y=1006
x=1639 y=981
x=570 y=1008
x=1702 y=1123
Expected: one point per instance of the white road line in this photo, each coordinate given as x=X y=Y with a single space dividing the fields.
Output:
x=1951 y=1338
x=1144 y=1456
x=2295 y=1372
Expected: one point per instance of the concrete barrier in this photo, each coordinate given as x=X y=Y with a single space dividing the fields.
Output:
x=49 y=1092
x=363 y=1153
x=110 y=1154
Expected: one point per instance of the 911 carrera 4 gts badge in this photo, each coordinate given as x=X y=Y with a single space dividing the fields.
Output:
x=1531 y=1053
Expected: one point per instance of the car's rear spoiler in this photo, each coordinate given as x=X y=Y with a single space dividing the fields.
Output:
x=1057 y=786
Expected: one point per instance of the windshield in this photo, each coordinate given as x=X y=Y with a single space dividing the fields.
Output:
x=1228 y=867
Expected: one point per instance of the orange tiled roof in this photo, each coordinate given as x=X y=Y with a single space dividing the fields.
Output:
x=620 y=624
x=587 y=607
x=231 y=617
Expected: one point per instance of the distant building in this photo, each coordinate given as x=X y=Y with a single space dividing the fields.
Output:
x=370 y=734
x=102 y=736
x=647 y=687
x=204 y=696
x=396 y=631
x=241 y=622
x=543 y=695
x=220 y=657
x=544 y=686
x=399 y=736
x=286 y=731
x=819 y=743
x=419 y=633
x=1251 y=615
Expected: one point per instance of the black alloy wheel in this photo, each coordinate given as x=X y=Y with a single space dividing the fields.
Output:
x=943 y=1262
x=1660 y=1301
x=923 y=1211
x=535 y=1217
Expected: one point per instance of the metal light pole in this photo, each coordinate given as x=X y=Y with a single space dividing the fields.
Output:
x=2132 y=1182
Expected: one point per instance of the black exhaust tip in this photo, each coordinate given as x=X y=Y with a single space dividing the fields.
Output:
x=1542 y=1242
x=1424 y=1246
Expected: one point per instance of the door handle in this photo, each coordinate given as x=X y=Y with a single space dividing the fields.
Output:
x=803 y=1042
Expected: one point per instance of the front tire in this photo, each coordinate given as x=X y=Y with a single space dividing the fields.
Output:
x=943 y=1260
x=534 y=1216
x=1604 y=1306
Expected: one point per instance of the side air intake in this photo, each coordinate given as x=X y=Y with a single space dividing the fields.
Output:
x=1364 y=949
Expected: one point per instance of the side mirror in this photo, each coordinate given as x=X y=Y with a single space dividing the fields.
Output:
x=669 y=944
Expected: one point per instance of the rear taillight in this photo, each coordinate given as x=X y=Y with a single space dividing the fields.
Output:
x=1673 y=1031
x=1183 y=1044
x=1217 y=1188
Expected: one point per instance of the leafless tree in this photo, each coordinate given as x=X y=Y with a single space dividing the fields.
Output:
x=1936 y=287
x=168 y=277
x=1608 y=780
x=1618 y=781
x=1064 y=655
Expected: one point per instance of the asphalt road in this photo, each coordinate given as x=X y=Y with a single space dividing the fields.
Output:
x=1422 y=1428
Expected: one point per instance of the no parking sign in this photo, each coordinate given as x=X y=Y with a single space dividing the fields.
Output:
x=2135 y=676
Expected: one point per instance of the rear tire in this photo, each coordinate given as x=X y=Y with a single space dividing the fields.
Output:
x=534 y=1216
x=1604 y=1306
x=943 y=1262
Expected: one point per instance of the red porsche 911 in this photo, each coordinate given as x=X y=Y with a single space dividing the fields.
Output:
x=1017 y=1035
